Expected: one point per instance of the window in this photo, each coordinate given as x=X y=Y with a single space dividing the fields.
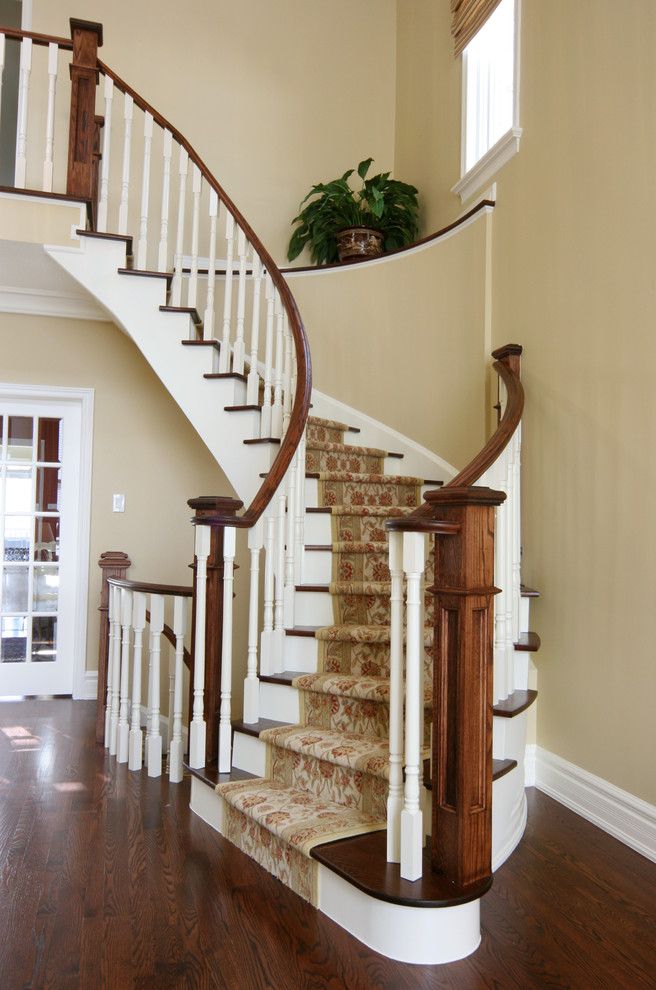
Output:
x=490 y=105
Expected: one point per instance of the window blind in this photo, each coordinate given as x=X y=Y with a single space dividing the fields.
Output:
x=468 y=17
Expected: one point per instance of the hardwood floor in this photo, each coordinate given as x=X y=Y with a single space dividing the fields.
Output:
x=107 y=881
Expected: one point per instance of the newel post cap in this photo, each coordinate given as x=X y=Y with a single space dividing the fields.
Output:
x=217 y=509
x=460 y=497
x=92 y=27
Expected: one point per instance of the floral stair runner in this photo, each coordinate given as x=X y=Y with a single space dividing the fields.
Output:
x=327 y=778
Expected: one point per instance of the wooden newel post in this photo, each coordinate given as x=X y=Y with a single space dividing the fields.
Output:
x=217 y=513
x=113 y=564
x=462 y=686
x=82 y=132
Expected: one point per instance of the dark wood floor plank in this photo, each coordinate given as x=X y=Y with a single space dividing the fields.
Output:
x=107 y=881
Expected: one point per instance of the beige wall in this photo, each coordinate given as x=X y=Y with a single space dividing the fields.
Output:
x=404 y=340
x=142 y=446
x=573 y=280
x=274 y=96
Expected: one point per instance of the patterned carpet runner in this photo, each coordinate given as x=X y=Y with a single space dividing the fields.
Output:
x=327 y=778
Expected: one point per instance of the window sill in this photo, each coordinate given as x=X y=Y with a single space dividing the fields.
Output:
x=487 y=166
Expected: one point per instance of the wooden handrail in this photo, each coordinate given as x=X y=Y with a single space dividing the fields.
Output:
x=177 y=590
x=301 y=404
x=38 y=39
x=168 y=634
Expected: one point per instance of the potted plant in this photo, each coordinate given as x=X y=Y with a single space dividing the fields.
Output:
x=341 y=223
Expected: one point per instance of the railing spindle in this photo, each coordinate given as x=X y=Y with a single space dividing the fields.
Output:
x=124 y=708
x=288 y=605
x=251 y=683
x=162 y=254
x=266 y=639
x=2 y=67
x=253 y=383
x=103 y=199
x=239 y=352
x=208 y=319
x=142 y=248
x=412 y=828
x=279 y=601
x=299 y=534
x=276 y=410
x=265 y=418
x=110 y=666
x=20 y=175
x=224 y=354
x=135 y=755
x=225 y=727
x=176 y=747
x=116 y=673
x=53 y=53
x=154 y=738
x=196 y=186
x=395 y=795
x=128 y=110
x=197 y=729
x=176 y=288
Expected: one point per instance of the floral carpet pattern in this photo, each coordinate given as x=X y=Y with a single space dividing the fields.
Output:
x=327 y=778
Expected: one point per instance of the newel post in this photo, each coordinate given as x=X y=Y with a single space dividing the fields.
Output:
x=216 y=513
x=81 y=179
x=113 y=564
x=462 y=686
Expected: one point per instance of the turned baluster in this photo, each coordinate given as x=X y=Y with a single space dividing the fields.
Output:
x=175 y=714
x=290 y=527
x=116 y=670
x=239 y=351
x=113 y=564
x=276 y=410
x=128 y=111
x=103 y=199
x=265 y=417
x=395 y=795
x=154 y=735
x=124 y=707
x=135 y=747
x=224 y=354
x=225 y=727
x=251 y=682
x=53 y=55
x=142 y=247
x=20 y=174
x=196 y=187
x=266 y=640
x=162 y=252
x=253 y=383
x=176 y=286
x=208 y=319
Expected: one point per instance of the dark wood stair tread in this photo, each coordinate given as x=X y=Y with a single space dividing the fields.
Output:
x=212 y=375
x=243 y=408
x=144 y=273
x=308 y=631
x=499 y=769
x=515 y=704
x=527 y=592
x=362 y=861
x=202 y=343
x=189 y=310
x=127 y=238
x=284 y=677
x=323 y=547
x=528 y=642
x=312 y=587
x=212 y=777
x=254 y=728
x=262 y=439
x=320 y=509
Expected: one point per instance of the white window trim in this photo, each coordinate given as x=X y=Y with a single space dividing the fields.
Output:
x=84 y=683
x=506 y=147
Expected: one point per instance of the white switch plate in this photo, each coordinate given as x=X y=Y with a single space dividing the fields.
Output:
x=118 y=503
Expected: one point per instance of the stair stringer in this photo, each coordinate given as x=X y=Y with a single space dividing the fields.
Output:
x=133 y=304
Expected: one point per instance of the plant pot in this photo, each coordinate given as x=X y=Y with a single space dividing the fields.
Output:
x=359 y=242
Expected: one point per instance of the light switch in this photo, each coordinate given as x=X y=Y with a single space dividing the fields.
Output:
x=118 y=503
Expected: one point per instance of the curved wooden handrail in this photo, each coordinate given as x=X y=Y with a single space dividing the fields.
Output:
x=301 y=404
x=39 y=39
x=170 y=635
x=177 y=590
x=507 y=425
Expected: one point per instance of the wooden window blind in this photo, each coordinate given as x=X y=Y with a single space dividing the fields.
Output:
x=468 y=17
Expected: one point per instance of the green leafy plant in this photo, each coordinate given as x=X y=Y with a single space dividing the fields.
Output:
x=383 y=204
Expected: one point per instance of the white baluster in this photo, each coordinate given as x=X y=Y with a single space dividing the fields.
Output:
x=224 y=354
x=2 y=64
x=111 y=618
x=251 y=683
x=142 y=248
x=176 y=288
x=253 y=384
x=395 y=794
x=128 y=109
x=225 y=726
x=265 y=418
x=276 y=410
x=124 y=709
x=135 y=747
x=279 y=600
x=287 y=379
x=208 y=319
x=116 y=673
x=20 y=174
x=299 y=534
x=196 y=185
x=516 y=503
x=266 y=640
x=176 y=747
x=239 y=351
x=103 y=197
x=162 y=254
x=197 y=728
x=53 y=52
x=290 y=485
x=154 y=740
x=412 y=827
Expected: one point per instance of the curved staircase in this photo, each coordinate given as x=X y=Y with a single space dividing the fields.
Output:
x=371 y=717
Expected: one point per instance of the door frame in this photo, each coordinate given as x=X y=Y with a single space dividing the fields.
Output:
x=84 y=682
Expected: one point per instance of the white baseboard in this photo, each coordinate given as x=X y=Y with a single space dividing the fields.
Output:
x=88 y=688
x=617 y=812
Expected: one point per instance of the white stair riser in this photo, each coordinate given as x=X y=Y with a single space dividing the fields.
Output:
x=249 y=754
x=509 y=738
x=279 y=702
x=301 y=653
x=318 y=528
x=313 y=608
x=317 y=566
x=524 y=614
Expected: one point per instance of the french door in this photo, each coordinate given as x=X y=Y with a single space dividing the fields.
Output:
x=40 y=509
